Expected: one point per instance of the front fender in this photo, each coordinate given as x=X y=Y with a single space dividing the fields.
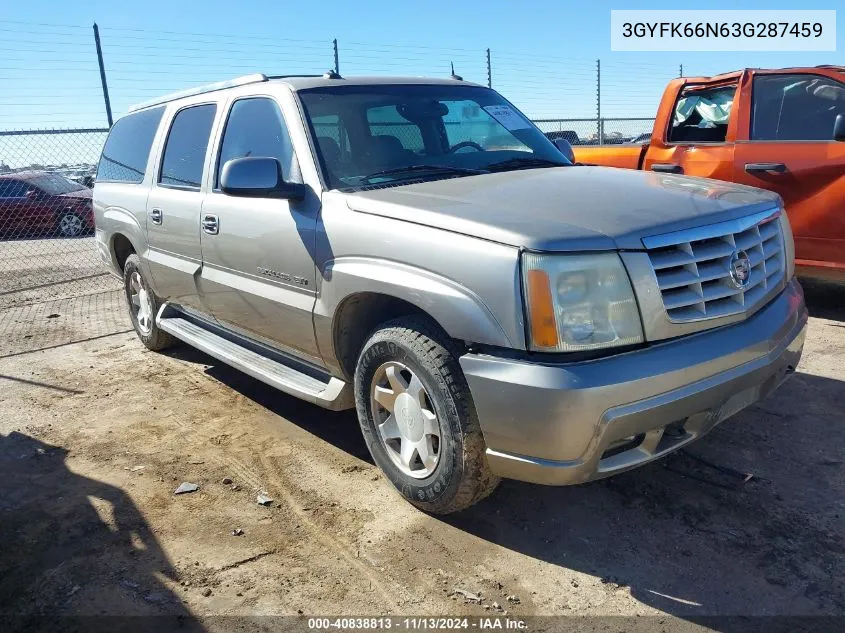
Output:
x=458 y=310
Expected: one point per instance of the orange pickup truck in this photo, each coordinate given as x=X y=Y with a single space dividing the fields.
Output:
x=782 y=130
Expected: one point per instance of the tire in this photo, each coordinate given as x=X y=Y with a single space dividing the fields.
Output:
x=70 y=224
x=458 y=476
x=143 y=316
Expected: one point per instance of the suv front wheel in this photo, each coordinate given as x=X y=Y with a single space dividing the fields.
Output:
x=418 y=419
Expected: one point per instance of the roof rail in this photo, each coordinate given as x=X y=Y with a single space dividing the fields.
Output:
x=290 y=76
x=190 y=92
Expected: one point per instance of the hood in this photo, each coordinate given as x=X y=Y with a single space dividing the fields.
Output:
x=565 y=208
x=82 y=193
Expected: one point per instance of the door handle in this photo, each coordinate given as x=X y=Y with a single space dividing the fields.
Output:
x=210 y=224
x=758 y=168
x=667 y=168
x=156 y=216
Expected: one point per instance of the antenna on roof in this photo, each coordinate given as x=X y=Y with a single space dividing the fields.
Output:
x=331 y=74
x=454 y=76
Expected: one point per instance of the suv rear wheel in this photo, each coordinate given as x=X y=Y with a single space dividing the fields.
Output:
x=418 y=419
x=143 y=306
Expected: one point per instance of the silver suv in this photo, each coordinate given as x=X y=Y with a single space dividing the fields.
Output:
x=418 y=250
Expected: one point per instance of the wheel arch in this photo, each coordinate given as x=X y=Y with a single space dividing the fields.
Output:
x=355 y=319
x=121 y=249
x=357 y=294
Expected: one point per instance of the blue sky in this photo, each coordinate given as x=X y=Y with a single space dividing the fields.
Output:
x=543 y=52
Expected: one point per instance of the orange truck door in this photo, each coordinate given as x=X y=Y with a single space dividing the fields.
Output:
x=699 y=129
x=789 y=148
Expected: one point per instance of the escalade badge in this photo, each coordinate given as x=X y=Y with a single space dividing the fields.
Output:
x=300 y=281
x=740 y=269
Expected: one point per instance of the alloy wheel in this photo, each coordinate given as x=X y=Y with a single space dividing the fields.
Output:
x=140 y=303
x=406 y=420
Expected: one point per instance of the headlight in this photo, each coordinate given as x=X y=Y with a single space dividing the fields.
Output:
x=788 y=245
x=579 y=302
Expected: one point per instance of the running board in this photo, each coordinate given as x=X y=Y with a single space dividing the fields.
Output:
x=330 y=393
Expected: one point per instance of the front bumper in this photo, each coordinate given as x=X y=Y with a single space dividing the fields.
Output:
x=569 y=423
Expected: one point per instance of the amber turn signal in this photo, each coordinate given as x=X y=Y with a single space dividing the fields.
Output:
x=541 y=309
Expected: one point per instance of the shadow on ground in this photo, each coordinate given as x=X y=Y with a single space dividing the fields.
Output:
x=339 y=428
x=825 y=300
x=74 y=546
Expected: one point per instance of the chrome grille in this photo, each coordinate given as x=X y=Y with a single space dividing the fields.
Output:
x=693 y=267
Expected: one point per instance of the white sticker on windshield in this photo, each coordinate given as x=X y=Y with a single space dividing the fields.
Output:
x=507 y=117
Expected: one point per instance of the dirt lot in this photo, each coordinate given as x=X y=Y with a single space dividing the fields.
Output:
x=95 y=436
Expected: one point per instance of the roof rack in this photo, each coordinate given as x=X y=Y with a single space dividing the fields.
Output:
x=220 y=85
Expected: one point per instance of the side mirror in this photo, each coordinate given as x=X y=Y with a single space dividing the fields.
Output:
x=33 y=194
x=258 y=177
x=565 y=148
x=839 y=128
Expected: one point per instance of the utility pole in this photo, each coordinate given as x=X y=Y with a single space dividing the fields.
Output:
x=489 y=71
x=336 y=57
x=103 y=74
x=599 y=126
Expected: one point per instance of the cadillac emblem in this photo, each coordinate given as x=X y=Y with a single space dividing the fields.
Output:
x=740 y=269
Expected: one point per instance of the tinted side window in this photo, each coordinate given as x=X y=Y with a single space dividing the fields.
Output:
x=128 y=146
x=256 y=128
x=12 y=188
x=184 y=152
x=795 y=107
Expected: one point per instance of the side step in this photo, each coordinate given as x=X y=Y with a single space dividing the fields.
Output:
x=330 y=393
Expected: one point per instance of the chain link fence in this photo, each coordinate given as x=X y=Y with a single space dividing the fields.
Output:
x=46 y=218
x=597 y=131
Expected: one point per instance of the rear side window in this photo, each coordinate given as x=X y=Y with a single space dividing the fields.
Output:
x=127 y=148
x=795 y=107
x=184 y=152
x=256 y=128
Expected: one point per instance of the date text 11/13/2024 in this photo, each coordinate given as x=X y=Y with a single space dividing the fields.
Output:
x=417 y=623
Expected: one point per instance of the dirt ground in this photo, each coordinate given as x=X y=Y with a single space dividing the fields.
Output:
x=96 y=435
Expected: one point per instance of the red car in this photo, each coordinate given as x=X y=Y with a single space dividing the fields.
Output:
x=34 y=203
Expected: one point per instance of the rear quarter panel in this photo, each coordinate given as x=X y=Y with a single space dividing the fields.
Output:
x=120 y=208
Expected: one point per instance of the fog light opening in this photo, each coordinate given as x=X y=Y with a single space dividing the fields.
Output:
x=625 y=444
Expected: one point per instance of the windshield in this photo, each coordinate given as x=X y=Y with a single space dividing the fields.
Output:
x=55 y=185
x=379 y=135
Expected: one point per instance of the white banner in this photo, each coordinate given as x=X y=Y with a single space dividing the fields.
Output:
x=706 y=30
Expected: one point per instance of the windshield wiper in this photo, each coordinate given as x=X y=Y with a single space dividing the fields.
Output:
x=524 y=163
x=442 y=169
